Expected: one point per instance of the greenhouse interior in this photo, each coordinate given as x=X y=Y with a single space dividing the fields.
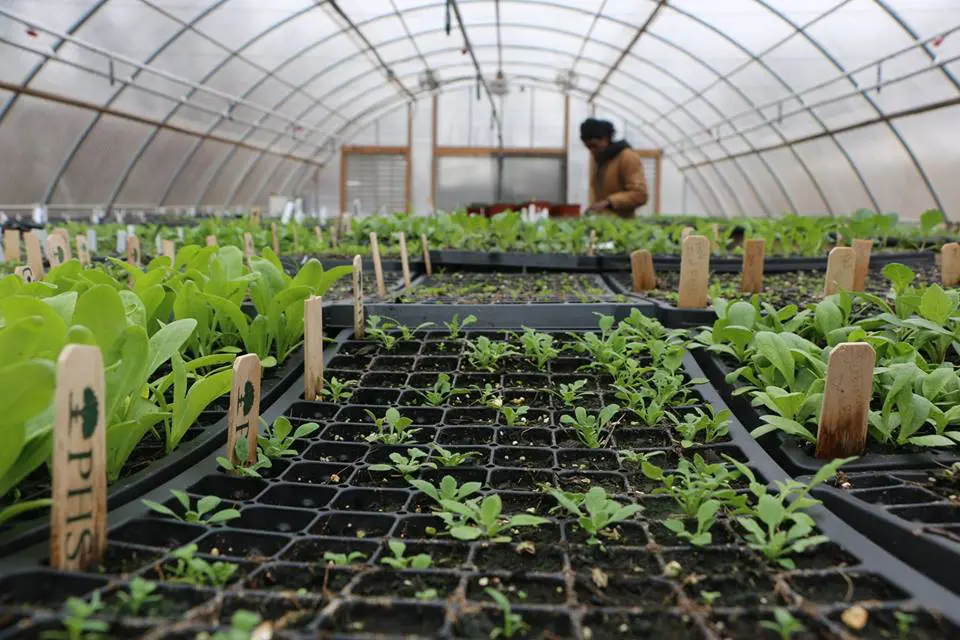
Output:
x=480 y=319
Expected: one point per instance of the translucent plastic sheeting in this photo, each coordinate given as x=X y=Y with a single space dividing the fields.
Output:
x=705 y=80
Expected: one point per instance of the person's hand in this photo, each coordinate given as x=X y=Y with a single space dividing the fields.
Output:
x=603 y=205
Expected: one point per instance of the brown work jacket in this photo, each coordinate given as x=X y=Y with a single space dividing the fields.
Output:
x=620 y=180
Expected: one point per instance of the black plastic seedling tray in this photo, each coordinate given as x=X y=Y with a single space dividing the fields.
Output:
x=666 y=313
x=796 y=456
x=512 y=261
x=641 y=583
x=507 y=288
x=206 y=435
x=770 y=264
x=914 y=514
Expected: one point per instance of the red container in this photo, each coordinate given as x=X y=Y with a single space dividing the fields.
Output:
x=565 y=211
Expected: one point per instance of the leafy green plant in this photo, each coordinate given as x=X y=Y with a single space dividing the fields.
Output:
x=441 y=391
x=405 y=465
x=448 y=489
x=514 y=415
x=706 y=517
x=446 y=458
x=205 y=511
x=486 y=355
x=455 y=326
x=538 y=347
x=195 y=571
x=241 y=469
x=141 y=594
x=784 y=625
x=400 y=561
x=276 y=441
x=343 y=559
x=392 y=428
x=905 y=622
x=471 y=519
x=513 y=623
x=776 y=525
x=379 y=328
x=573 y=392
x=697 y=482
x=337 y=391
x=243 y=626
x=408 y=333
x=705 y=427
x=598 y=511
x=589 y=428
x=78 y=622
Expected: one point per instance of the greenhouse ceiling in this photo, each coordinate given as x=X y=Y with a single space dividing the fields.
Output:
x=123 y=96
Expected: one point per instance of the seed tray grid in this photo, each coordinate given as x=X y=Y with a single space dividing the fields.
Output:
x=499 y=288
x=276 y=534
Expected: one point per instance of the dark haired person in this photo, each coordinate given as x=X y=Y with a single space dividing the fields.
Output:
x=617 y=182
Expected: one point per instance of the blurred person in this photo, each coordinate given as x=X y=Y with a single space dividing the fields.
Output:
x=617 y=182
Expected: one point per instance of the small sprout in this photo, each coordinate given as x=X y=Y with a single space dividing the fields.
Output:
x=205 y=511
x=709 y=597
x=78 y=623
x=398 y=561
x=513 y=623
x=427 y=594
x=451 y=459
x=189 y=569
x=515 y=416
x=343 y=559
x=406 y=466
x=392 y=428
x=455 y=326
x=276 y=441
x=784 y=625
x=140 y=595
x=337 y=391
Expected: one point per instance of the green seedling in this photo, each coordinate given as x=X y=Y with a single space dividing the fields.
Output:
x=141 y=595
x=277 y=441
x=392 y=428
x=573 y=392
x=784 y=625
x=448 y=489
x=243 y=626
x=514 y=415
x=407 y=333
x=702 y=427
x=406 y=466
x=205 y=511
x=513 y=624
x=486 y=355
x=427 y=594
x=706 y=518
x=455 y=327
x=195 y=571
x=441 y=392
x=240 y=469
x=776 y=525
x=538 y=347
x=695 y=483
x=79 y=623
x=709 y=597
x=637 y=459
x=399 y=561
x=343 y=559
x=905 y=622
x=471 y=520
x=379 y=328
x=447 y=458
x=336 y=391
x=589 y=428
x=596 y=512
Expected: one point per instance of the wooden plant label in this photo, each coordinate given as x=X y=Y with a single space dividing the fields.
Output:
x=255 y=217
x=358 y=321
x=63 y=233
x=641 y=266
x=591 y=242
x=83 y=251
x=846 y=400
x=275 y=237
x=715 y=232
x=377 y=265
x=34 y=255
x=312 y=348
x=319 y=234
x=25 y=274
x=296 y=238
x=841 y=266
x=751 y=278
x=334 y=237
x=170 y=250
x=11 y=245
x=78 y=518
x=339 y=226
x=404 y=260
x=243 y=417
x=133 y=250
x=685 y=233
x=58 y=250
x=211 y=241
x=950 y=264
x=694 y=272
x=248 y=250
x=427 y=263
x=862 y=249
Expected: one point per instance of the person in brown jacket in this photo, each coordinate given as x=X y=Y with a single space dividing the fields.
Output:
x=617 y=181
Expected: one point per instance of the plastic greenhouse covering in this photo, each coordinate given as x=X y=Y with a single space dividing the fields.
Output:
x=760 y=107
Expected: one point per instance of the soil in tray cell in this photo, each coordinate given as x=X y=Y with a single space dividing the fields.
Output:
x=499 y=288
x=479 y=622
x=616 y=625
x=412 y=585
